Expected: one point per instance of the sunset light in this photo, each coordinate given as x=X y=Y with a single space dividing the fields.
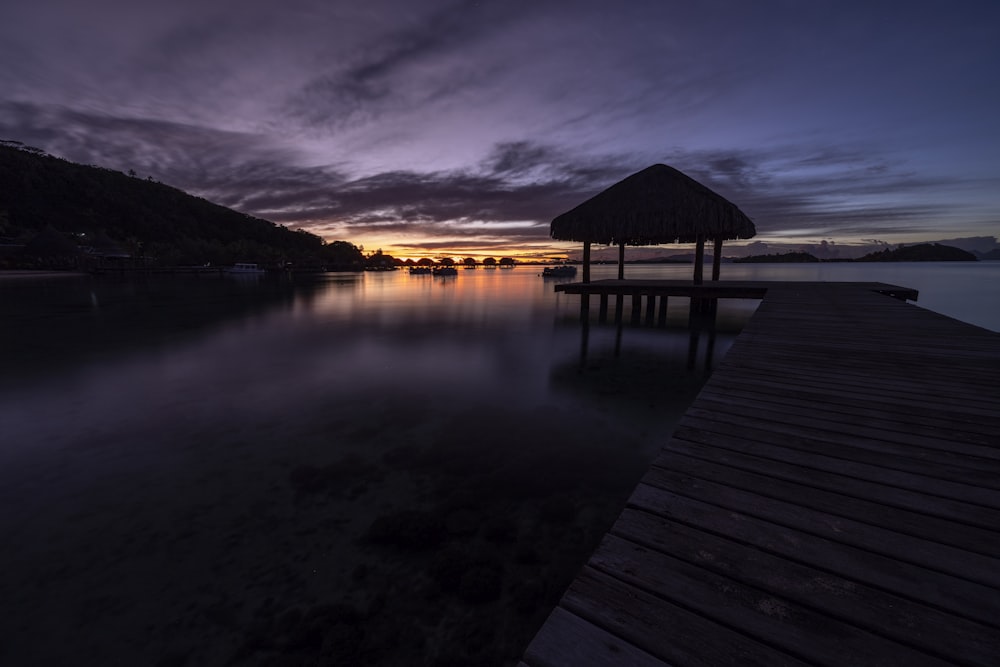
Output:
x=483 y=333
x=466 y=131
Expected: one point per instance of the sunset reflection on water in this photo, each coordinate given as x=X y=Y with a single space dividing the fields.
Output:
x=191 y=464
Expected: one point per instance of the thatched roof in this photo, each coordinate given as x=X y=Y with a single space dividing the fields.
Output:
x=656 y=205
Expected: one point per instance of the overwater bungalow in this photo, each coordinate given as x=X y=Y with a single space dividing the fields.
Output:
x=651 y=207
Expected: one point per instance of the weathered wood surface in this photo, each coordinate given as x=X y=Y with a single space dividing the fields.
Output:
x=735 y=289
x=831 y=497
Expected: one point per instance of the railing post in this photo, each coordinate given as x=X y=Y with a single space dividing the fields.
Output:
x=699 y=259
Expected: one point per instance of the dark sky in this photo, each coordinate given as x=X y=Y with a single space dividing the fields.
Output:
x=465 y=127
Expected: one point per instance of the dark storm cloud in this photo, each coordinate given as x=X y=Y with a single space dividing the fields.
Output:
x=831 y=190
x=518 y=157
x=496 y=195
x=247 y=173
x=517 y=182
x=484 y=120
x=376 y=76
x=400 y=201
x=180 y=154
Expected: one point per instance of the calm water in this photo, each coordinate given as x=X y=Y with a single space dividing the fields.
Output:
x=361 y=469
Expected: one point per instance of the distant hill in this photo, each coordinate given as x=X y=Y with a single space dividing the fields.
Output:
x=924 y=252
x=788 y=257
x=992 y=254
x=40 y=193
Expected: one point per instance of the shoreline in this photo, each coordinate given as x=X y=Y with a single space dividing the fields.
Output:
x=21 y=274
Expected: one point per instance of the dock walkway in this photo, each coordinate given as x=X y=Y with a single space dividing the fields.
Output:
x=831 y=497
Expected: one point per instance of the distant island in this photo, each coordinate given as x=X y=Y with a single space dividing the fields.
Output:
x=60 y=214
x=788 y=257
x=923 y=252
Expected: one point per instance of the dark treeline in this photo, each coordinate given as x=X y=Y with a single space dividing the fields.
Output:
x=102 y=212
x=923 y=252
x=788 y=257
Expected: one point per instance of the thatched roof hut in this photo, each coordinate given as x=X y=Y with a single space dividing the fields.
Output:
x=656 y=205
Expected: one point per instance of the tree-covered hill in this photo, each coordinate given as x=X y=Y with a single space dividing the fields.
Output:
x=160 y=223
x=924 y=252
x=785 y=258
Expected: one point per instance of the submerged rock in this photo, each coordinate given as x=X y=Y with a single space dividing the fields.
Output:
x=408 y=529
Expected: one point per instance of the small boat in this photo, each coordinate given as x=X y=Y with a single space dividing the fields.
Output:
x=445 y=271
x=245 y=268
x=562 y=271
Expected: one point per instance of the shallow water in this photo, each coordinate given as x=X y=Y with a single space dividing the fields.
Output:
x=360 y=469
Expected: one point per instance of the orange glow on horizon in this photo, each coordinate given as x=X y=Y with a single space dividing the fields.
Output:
x=542 y=252
x=549 y=251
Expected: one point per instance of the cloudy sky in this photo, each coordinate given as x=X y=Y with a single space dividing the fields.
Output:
x=462 y=127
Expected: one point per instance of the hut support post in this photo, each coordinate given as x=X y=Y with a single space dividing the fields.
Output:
x=699 y=259
x=716 y=258
x=621 y=261
x=586 y=261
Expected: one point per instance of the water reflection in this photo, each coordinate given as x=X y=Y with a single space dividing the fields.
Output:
x=60 y=323
x=365 y=469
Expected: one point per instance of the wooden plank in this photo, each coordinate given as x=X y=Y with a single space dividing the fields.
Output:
x=771 y=619
x=920 y=396
x=841 y=431
x=863 y=423
x=926 y=462
x=875 y=537
x=663 y=629
x=845 y=380
x=566 y=640
x=804 y=491
x=924 y=627
x=784 y=343
x=791 y=392
x=915 y=369
x=935 y=508
x=957 y=595
x=851 y=463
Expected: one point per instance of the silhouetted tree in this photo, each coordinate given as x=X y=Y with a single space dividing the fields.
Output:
x=342 y=256
x=469 y=261
x=379 y=260
x=507 y=261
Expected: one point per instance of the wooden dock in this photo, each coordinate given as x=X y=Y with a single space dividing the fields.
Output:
x=832 y=497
